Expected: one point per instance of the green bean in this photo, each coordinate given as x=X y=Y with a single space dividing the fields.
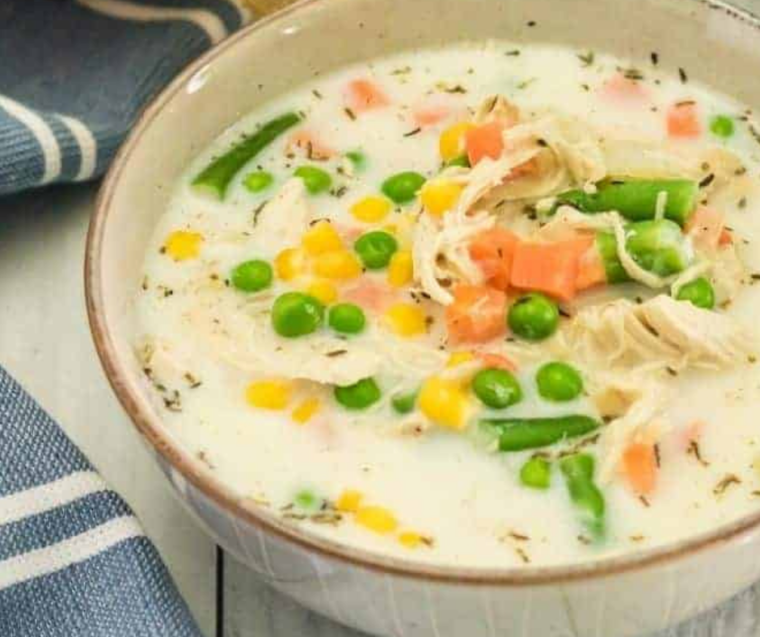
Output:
x=217 y=176
x=517 y=434
x=578 y=470
x=636 y=199
x=613 y=268
x=658 y=246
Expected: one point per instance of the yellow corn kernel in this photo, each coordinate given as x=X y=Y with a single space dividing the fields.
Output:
x=440 y=195
x=290 y=263
x=305 y=410
x=400 y=269
x=371 y=209
x=405 y=319
x=321 y=237
x=268 y=394
x=181 y=245
x=410 y=539
x=349 y=501
x=451 y=142
x=323 y=290
x=457 y=358
x=377 y=519
x=444 y=402
x=338 y=264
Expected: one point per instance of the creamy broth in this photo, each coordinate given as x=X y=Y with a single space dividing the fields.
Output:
x=406 y=484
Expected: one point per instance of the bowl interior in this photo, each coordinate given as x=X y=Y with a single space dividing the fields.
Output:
x=716 y=45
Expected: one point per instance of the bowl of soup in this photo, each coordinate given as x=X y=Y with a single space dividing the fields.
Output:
x=441 y=316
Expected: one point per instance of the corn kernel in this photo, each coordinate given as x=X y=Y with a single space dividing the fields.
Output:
x=349 y=501
x=457 y=358
x=371 y=209
x=290 y=263
x=400 y=269
x=410 y=539
x=440 y=195
x=324 y=291
x=321 y=237
x=181 y=245
x=268 y=394
x=405 y=319
x=444 y=402
x=451 y=142
x=305 y=410
x=338 y=264
x=377 y=519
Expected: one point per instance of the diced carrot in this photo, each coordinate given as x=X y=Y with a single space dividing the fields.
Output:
x=639 y=464
x=364 y=95
x=706 y=227
x=493 y=251
x=430 y=114
x=477 y=314
x=621 y=89
x=310 y=144
x=484 y=141
x=591 y=270
x=682 y=120
x=726 y=238
x=496 y=360
x=551 y=268
x=371 y=295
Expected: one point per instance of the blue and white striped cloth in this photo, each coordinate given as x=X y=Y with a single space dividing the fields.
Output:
x=74 y=561
x=75 y=74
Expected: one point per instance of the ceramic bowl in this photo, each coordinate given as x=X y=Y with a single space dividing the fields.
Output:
x=633 y=594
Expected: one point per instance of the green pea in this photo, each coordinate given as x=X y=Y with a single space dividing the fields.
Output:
x=375 y=249
x=306 y=500
x=404 y=402
x=258 y=181
x=251 y=276
x=699 y=292
x=536 y=473
x=296 y=314
x=346 y=318
x=496 y=388
x=533 y=317
x=358 y=396
x=358 y=159
x=559 y=382
x=460 y=160
x=722 y=126
x=402 y=187
x=315 y=179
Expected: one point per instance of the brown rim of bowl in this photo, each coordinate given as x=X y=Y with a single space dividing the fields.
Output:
x=203 y=479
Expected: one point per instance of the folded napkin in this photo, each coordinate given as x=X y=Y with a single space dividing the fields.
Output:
x=74 y=561
x=76 y=73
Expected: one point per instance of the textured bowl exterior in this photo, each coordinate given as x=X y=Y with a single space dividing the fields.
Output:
x=623 y=596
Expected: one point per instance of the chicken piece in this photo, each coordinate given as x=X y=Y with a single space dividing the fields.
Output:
x=657 y=334
x=284 y=219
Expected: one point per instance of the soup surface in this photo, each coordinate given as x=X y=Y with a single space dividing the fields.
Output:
x=478 y=306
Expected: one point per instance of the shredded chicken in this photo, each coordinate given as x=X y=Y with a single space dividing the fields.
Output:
x=660 y=333
x=285 y=218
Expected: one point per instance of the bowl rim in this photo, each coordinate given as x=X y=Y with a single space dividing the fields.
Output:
x=193 y=470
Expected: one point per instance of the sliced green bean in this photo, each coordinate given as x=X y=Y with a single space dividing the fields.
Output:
x=578 y=470
x=658 y=246
x=536 y=473
x=217 y=176
x=613 y=268
x=517 y=434
x=636 y=199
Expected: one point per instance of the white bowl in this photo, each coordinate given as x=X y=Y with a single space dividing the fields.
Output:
x=637 y=593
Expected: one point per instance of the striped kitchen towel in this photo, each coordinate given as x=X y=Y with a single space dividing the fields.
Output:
x=75 y=74
x=74 y=561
